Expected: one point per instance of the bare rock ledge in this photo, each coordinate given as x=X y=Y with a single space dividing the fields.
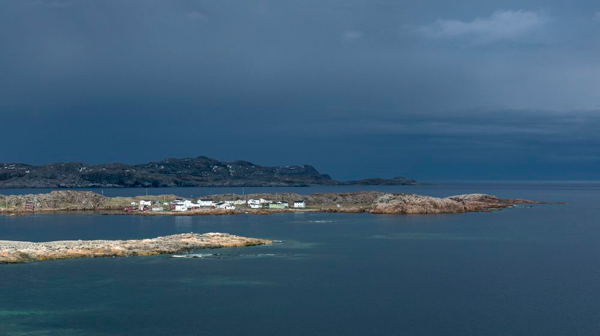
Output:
x=20 y=252
x=417 y=204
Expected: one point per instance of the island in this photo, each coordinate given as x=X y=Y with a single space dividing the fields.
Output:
x=20 y=252
x=358 y=202
x=201 y=171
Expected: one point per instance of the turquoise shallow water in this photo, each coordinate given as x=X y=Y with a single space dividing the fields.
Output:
x=522 y=271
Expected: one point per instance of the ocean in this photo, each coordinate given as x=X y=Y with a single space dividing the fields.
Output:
x=528 y=270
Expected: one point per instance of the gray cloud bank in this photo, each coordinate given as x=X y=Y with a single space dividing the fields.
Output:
x=502 y=25
x=494 y=89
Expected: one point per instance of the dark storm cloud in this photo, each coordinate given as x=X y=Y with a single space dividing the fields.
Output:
x=366 y=87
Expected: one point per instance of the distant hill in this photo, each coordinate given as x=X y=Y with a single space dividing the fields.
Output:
x=186 y=172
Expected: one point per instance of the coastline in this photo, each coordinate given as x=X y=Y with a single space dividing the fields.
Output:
x=358 y=202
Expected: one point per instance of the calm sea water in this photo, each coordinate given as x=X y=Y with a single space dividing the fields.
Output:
x=522 y=271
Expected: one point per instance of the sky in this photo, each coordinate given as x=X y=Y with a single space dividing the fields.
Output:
x=427 y=89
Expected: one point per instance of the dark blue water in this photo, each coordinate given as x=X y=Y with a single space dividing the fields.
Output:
x=500 y=188
x=522 y=271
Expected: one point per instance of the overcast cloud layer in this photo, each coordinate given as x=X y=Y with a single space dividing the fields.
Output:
x=429 y=89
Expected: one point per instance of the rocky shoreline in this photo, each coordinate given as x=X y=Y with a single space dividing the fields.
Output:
x=358 y=202
x=20 y=252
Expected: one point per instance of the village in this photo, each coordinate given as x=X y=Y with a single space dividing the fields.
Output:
x=183 y=205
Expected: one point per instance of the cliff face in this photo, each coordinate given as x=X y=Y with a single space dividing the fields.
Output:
x=188 y=172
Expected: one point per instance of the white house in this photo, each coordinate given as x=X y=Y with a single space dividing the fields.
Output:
x=263 y=201
x=299 y=204
x=238 y=202
x=253 y=201
x=180 y=207
x=190 y=205
x=205 y=203
x=177 y=204
x=144 y=204
x=224 y=205
x=255 y=206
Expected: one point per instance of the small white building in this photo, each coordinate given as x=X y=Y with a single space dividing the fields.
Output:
x=253 y=201
x=255 y=206
x=144 y=204
x=177 y=205
x=205 y=203
x=224 y=205
x=180 y=208
x=190 y=205
x=238 y=202
x=263 y=201
x=299 y=204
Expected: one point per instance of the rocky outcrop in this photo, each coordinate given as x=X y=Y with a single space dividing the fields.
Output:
x=57 y=200
x=20 y=252
x=417 y=204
